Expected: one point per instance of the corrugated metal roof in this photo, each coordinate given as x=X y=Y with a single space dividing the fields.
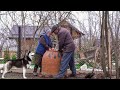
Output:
x=29 y=31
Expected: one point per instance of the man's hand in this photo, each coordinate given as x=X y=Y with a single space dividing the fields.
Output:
x=61 y=52
x=51 y=49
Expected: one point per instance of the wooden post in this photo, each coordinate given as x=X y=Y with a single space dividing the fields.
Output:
x=102 y=45
x=0 y=51
x=19 y=43
x=79 y=43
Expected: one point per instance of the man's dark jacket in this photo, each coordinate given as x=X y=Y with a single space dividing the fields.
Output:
x=65 y=40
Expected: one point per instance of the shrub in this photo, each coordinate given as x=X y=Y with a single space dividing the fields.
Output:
x=90 y=64
x=82 y=63
x=6 y=56
x=77 y=66
x=14 y=57
x=2 y=61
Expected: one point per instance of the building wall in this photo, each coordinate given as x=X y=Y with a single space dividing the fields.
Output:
x=24 y=46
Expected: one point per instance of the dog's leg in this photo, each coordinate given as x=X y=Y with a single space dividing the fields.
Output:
x=28 y=65
x=24 y=72
x=1 y=69
x=5 y=70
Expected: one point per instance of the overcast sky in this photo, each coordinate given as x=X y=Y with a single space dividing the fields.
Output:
x=80 y=15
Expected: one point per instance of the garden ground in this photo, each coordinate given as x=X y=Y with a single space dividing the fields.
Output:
x=17 y=74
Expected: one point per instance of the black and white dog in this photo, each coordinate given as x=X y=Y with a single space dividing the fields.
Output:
x=19 y=63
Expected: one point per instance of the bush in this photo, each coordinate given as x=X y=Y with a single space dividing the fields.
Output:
x=82 y=63
x=2 y=61
x=6 y=56
x=14 y=57
x=89 y=65
x=77 y=66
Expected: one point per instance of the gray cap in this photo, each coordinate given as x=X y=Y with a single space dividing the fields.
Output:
x=54 y=28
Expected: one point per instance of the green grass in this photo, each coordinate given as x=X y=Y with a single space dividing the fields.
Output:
x=77 y=66
x=82 y=63
x=2 y=62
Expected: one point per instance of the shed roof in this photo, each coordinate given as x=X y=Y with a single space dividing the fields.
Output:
x=29 y=31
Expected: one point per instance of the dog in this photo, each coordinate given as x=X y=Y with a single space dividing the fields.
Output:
x=18 y=63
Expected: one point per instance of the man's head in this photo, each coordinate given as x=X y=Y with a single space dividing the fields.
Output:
x=55 y=29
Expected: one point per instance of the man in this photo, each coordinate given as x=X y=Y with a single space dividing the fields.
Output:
x=66 y=47
x=44 y=44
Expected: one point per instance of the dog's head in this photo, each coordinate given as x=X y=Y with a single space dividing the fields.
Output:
x=29 y=56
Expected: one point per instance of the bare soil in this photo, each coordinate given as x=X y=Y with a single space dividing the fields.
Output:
x=17 y=74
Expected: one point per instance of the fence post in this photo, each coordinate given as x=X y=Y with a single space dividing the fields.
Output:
x=19 y=43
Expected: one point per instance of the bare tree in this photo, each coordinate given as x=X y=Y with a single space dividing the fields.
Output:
x=40 y=19
x=114 y=24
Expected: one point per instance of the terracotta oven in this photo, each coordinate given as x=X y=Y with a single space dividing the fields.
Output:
x=51 y=62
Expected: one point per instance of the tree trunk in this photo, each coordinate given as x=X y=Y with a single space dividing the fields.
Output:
x=109 y=55
x=115 y=47
x=102 y=46
x=107 y=35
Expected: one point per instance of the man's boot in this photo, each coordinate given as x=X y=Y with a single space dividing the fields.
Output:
x=40 y=74
x=35 y=71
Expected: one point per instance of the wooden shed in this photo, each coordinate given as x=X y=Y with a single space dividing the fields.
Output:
x=28 y=31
